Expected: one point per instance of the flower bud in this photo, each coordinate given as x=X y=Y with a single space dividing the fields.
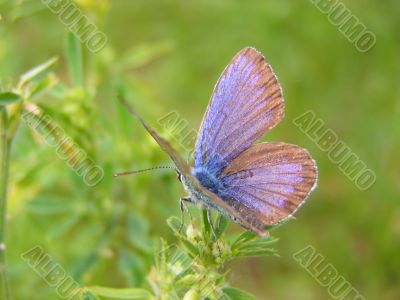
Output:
x=192 y=294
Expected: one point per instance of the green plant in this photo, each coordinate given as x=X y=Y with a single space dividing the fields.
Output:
x=196 y=266
x=31 y=83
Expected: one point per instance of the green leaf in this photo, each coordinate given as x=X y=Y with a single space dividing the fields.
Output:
x=262 y=242
x=41 y=86
x=84 y=263
x=74 y=56
x=222 y=223
x=87 y=295
x=38 y=72
x=206 y=225
x=8 y=98
x=175 y=224
x=236 y=294
x=27 y=9
x=161 y=255
x=131 y=266
x=190 y=248
x=49 y=205
x=256 y=252
x=120 y=293
x=243 y=238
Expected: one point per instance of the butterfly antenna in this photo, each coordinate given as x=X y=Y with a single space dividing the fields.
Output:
x=141 y=171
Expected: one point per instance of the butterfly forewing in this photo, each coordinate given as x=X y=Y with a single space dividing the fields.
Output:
x=246 y=103
x=182 y=166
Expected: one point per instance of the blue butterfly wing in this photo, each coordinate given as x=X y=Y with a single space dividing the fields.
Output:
x=232 y=209
x=246 y=103
x=265 y=182
x=272 y=180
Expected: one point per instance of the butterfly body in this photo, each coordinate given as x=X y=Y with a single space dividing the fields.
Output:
x=197 y=194
x=256 y=185
x=209 y=180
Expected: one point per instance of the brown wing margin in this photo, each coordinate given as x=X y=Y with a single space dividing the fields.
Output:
x=176 y=158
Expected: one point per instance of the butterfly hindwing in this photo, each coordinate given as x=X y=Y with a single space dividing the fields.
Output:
x=271 y=179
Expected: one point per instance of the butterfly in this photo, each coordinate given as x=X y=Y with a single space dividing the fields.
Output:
x=257 y=185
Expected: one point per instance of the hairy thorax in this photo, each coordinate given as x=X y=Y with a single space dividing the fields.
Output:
x=206 y=180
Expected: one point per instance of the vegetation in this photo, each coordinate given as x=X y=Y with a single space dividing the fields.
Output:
x=120 y=238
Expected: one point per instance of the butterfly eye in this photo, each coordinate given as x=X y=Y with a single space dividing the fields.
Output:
x=179 y=175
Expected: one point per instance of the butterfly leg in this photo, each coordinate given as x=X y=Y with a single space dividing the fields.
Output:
x=210 y=221
x=183 y=207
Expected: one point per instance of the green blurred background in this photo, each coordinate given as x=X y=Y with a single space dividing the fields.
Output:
x=165 y=56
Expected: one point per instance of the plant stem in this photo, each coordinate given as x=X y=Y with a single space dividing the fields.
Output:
x=5 y=145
